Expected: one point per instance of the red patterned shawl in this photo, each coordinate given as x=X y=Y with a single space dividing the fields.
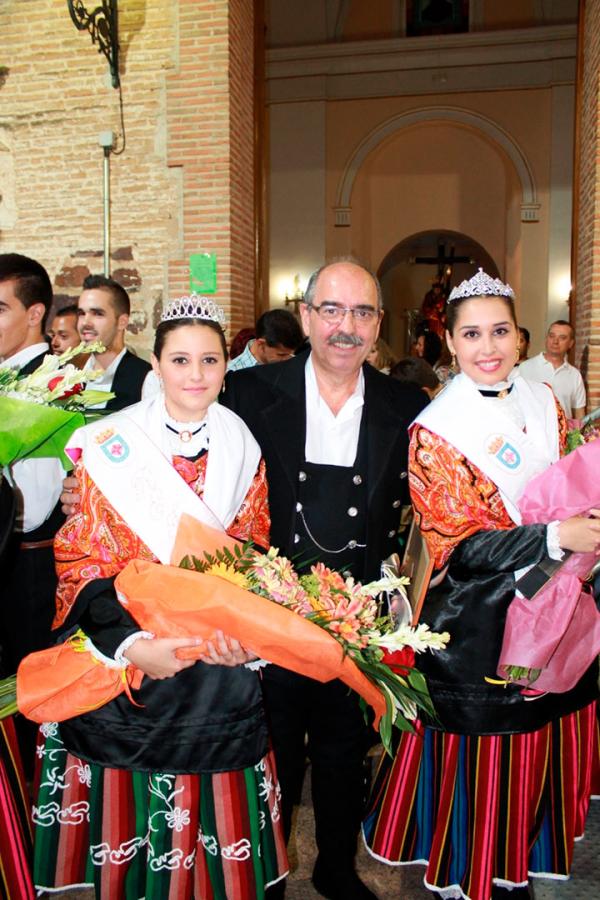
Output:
x=451 y=496
x=96 y=542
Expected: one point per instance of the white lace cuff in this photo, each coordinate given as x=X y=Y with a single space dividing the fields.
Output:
x=257 y=664
x=552 y=541
x=126 y=644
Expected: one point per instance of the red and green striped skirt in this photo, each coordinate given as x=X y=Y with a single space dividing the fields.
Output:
x=15 y=831
x=482 y=810
x=156 y=836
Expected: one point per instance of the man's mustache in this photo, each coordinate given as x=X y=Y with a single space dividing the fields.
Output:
x=343 y=339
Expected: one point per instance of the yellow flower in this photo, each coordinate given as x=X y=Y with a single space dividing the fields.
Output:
x=317 y=606
x=221 y=570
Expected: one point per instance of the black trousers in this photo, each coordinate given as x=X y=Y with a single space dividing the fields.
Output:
x=338 y=738
x=28 y=579
x=28 y=602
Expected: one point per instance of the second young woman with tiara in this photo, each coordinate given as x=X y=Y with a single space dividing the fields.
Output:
x=498 y=789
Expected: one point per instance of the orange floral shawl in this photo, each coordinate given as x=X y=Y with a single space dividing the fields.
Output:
x=96 y=542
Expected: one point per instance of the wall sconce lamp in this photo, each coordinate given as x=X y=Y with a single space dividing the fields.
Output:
x=297 y=295
x=102 y=24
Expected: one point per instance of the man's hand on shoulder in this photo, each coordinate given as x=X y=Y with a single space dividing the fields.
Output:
x=70 y=497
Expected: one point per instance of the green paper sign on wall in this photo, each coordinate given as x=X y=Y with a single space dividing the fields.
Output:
x=203 y=273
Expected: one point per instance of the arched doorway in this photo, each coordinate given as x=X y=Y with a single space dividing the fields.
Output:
x=408 y=270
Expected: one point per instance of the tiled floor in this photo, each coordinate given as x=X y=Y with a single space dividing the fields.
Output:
x=406 y=882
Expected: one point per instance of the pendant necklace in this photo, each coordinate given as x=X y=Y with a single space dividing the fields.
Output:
x=499 y=394
x=186 y=435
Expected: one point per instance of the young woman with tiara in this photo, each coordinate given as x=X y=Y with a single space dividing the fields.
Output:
x=498 y=789
x=175 y=796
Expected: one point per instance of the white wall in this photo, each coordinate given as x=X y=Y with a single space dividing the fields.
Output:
x=298 y=168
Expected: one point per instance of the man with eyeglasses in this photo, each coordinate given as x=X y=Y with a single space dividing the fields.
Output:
x=333 y=433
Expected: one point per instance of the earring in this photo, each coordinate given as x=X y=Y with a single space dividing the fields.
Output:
x=517 y=354
x=223 y=388
x=453 y=361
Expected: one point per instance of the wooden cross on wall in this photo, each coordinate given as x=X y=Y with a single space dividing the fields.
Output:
x=444 y=262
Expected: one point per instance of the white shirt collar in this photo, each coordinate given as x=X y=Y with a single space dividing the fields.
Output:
x=20 y=359
x=331 y=439
x=108 y=373
x=564 y=364
x=354 y=401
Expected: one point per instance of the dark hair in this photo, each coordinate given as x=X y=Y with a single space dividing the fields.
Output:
x=238 y=343
x=70 y=310
x=119 y=296
x=525 y=333
x=311 y=287
x=166 y=328
x=279 y=327
x=432 y=349
x=453 y=307
x=32 y=282
x=414 y=370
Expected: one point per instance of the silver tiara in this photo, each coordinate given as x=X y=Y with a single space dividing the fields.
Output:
x=194 y=307
x=481 y=285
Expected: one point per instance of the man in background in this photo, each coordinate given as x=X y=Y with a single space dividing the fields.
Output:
x=103 y=315
x=63 y=332
x=416 y=371
x=278 y=336
x=551 y=367
x=64 y=336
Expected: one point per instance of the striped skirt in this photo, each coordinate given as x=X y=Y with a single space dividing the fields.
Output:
x=157 y=836
x=482 y=810
x=15 y=831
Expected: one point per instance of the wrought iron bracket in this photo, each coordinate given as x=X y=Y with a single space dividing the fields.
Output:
x=102 y=24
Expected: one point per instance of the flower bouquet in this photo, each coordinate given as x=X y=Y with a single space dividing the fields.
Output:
x=40 y=411
x=551 y=639
x=319 y=624
x=587 y=431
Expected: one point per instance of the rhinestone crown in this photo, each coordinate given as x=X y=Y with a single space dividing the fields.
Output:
x=481 y=285
x=194 y=307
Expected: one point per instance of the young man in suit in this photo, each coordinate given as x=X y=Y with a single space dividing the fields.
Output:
x=27 y=570
x=104 y=310
x=28 y=576
x=333 y=432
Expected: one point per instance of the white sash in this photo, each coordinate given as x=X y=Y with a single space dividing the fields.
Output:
x=128 y=456
x=491 y=440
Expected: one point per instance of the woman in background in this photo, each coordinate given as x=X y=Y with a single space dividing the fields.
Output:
x=381 y=356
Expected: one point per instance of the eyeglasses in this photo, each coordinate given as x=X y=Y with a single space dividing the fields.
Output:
x=331 y=312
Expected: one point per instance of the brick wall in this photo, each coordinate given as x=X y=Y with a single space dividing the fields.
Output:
x=241 y=158
x=210 y=126
x=587 y=250
x=187 y=168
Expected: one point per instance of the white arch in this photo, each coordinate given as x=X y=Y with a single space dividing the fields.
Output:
x=529 y=205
